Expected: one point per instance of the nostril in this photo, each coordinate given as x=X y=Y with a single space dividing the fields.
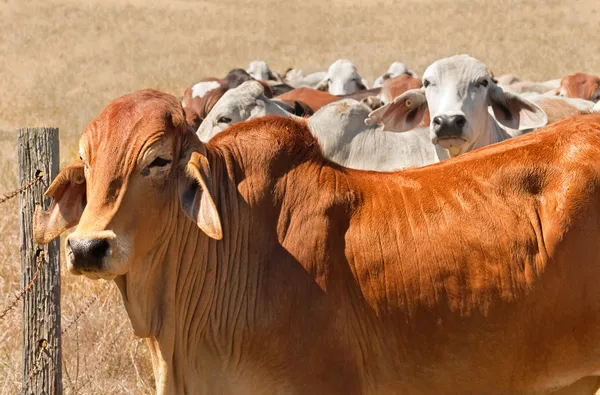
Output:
x=99 y=248
x=437 y=121
x=460 y=121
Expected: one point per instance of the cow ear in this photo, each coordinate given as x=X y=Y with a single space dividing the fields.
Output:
x=515 y=112
x=196 y=196
x=68 y=202
x=362 y=84
x=401 y=115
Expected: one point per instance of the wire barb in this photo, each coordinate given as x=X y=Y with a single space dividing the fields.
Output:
x=39 y=259
x=38 y=177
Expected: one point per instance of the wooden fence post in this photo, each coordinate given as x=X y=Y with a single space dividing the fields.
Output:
x=42 y=354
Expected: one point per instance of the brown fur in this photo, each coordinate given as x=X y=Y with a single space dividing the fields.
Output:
x=394 y=87
x=581 y=85
x=314 y=98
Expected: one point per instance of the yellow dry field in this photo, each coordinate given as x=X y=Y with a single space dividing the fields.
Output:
x=62 y=61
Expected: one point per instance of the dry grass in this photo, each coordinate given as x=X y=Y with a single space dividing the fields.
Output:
x=62 y=61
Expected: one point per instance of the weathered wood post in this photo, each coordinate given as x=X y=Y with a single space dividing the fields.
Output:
x=42 y=355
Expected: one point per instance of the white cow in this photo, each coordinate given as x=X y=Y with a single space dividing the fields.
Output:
x=395 y=69
x=259 y=70
x=458 y=91
x=342 y=79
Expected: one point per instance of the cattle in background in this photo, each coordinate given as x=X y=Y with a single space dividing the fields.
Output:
x=297 y=79
x=457 y=91
x=580 y=85
x=558 y=108
x=519 y=87
x=251 y=264
x=342 y=79
x=396 y=69
x=260 y=71
x=199 y=99
x=247 y=101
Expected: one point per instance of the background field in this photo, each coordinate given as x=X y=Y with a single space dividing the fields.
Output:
x=62 y=61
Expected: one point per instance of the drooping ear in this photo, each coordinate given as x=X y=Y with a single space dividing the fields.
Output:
x=401 y=115
x=195 y=194
x=362 y=84
x=68 y=202
x=323 y=85
x=515 y=112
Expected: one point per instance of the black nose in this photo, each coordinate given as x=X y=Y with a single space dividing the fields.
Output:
x=449 y=125
x=88 y=253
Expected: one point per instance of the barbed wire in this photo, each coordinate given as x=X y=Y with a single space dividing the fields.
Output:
x=39 y=259
x=43 y=359
x=38 y=177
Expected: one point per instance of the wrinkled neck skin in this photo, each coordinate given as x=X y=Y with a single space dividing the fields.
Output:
x=493 y=133
x=172 y=296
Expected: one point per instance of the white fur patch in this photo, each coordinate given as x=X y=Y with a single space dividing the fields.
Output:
x=200 y=89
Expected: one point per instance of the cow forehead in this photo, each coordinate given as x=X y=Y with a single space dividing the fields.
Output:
x=460 y=68
x=129 y=122
x=342 y=66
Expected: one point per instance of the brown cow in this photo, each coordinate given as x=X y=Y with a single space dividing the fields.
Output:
x=315 y=99
x=254 y=266
x=582 y=86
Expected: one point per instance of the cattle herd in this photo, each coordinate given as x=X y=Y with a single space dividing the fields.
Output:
x=309 y=234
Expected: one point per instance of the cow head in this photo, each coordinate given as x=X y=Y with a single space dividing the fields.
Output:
x=581 y=86
x=342 y=79
x=139 y=164
x=458 y=91
x=245 y=102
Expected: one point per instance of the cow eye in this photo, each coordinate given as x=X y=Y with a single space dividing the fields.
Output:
x=481 y=83
x=159 y=162
x=224 y=120
x=426 y=83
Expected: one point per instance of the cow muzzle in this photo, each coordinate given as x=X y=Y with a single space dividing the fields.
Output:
x=92 y=254
x=448 y=126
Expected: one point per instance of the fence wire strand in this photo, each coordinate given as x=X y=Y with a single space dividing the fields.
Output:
x=38 y=177
x=27 y=288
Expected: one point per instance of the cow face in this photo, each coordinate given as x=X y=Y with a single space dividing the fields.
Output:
x=582 y=86
x=457 y=91
x=342 y=79
x=139 y=164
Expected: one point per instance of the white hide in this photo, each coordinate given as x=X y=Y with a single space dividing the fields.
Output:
x=460 y=87
x=339 y=127
x=245 y=102
x=201 y=88
x=342 y=79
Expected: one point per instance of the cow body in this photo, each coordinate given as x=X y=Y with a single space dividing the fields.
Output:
x=265 y=268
